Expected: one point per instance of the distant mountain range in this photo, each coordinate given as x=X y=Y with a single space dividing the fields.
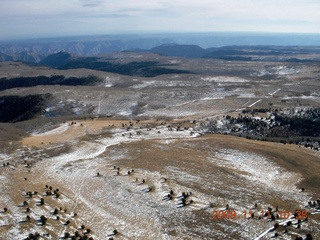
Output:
x=245 y=52
x=36 y=50
x=183 y=45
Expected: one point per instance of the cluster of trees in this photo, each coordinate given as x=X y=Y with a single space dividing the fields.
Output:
x=259 y=110
x=20 y=108
x=143 y=69
x=293 y=127
x=249 y=124
x=43 y=80
x=307 y=124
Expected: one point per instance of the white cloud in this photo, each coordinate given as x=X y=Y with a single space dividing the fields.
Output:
x=38 y=17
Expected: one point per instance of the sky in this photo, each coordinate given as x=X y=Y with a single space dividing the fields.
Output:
x=48 y=18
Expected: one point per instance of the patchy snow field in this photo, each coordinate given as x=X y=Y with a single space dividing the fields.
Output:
x=262 y=172
x=134 y=202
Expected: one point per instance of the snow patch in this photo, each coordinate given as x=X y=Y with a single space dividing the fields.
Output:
x=223 y=79
x=260 y=170
x=61 y=129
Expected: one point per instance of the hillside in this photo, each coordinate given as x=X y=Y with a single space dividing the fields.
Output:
x=187 y=51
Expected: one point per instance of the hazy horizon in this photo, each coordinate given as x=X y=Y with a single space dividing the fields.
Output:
x=46 y=19
x=202 y=39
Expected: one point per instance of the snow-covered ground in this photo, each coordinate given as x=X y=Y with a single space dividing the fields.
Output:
x=111 y=201
x=75 y=169
x=59 y=130
x=224 y=79
x=262 y=172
